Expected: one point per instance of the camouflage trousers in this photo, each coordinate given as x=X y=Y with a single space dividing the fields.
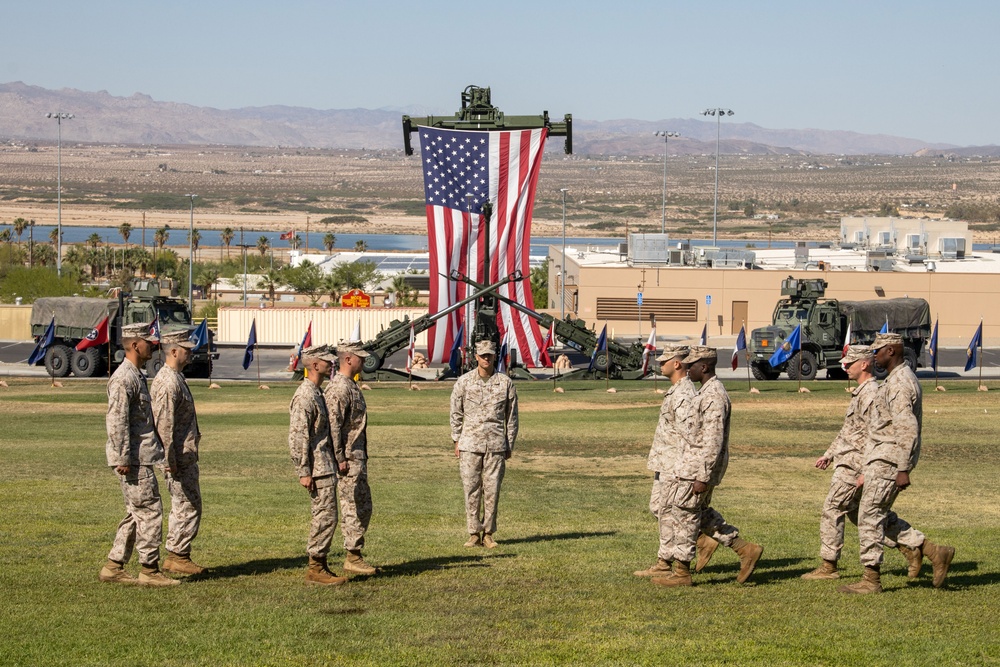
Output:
x=660 y=500
x=324 y=516
x=482 y=475
x=878 y=525
x=142 y=527
x=355 y=505
x=185 y=508
x=691 y=513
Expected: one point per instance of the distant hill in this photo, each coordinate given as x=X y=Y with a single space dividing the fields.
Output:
x=139 y=119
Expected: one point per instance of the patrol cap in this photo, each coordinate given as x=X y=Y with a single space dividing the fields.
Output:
x=700 y=353
x=670 y=351
x=485 y=347
x=180 y=338
x=883 y=339
x=139 y=330
x=322 y=352
x=856 y=353
x=351 y=347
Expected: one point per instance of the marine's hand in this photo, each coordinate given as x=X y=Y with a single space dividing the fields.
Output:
x=122 y=470
x=902 y=480
x=860 y=481
x=822 y=462
x=343 y=467
x=308 y=483
x=699 y=487
x=456 y=450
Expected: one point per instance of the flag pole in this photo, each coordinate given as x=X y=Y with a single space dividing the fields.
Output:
x=257 y=359
x=935 y=358
x=746 y=356
x=981 y=360
x=800 y=355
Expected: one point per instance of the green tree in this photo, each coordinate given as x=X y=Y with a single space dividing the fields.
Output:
x=360 y=246
x=359 y=275
x=206 y=277
x=44 y=254
x=195 y=240
x=538 y=278
x=54 y=235
x=306 y=278
x=263 y=245
x=270 y=282
x=329 y=241
x=750 y=210
x=20 y=224
x=94 y=240
x=295 y=242
x=333 y=285
x=888 y=209
x=227 y=237
x=125 y=230
x=161 y=236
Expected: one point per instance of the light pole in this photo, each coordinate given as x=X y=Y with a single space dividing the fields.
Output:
x=60 y=117
x=562 y=282
x=191 y=258
x=718 y=113
x=666 y=138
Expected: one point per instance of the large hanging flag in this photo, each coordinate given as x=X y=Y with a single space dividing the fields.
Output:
x=974 y=344
x=38 y=354
x=847 y=339
x=785 y=351
x=741 y=344
x=455 y=358
x=602 y=346
x=154 y=327
x=307 y=341
x=544 y=357
x=648 y=352
x=97 y=336
x=200 y=335
x=251 y=345
x=464 y=169
x=704 y=336
x=932 y=347
x=409 y=353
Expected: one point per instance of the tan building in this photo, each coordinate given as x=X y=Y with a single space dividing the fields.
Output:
x=908 y=236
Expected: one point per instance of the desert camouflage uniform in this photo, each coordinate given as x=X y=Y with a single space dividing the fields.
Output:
x=893 y=446
x=705 y=460
x=177 y=425
x=312 y=455
x=674 y=429
x=348 y=430
x=132 y=441
x=484 y=424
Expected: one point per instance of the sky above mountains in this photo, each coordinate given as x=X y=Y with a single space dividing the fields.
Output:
x=919 y=69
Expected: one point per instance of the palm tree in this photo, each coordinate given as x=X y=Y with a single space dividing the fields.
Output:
x=227 y=237
x=54 y=236
x=262 y=245
x=295 y=242
x=329 y=241
x=360 y=246
x=44 y=254
x=195 y=238
x=206 y=278
x=161 y=236
x=94 y=240
x=333 y=284
x=270 y=281
x=125 y=230
x=20 y=224
x=5 y=236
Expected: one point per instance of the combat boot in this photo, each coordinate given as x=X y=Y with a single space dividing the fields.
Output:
x=871 y=582
x=319 y=573
x=474 y=541
x=749 y=554
x=661 y=568
x=706 y=547
x=181 y=564
x=828 y=570
x=681 y=576
x=150 y=575
x=114 y=572
x=914 y=559
x=940 y=557
x=353 y=562
x=488 y=541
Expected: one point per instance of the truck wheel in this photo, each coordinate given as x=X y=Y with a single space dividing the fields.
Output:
x=57 y=361
x=153 y=367
x=601 y=361
x=804 y=361
x=87 y=364
x=910 y=357
x=372 y=362
x=763 y=371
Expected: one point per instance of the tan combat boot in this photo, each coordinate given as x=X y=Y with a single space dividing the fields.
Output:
x=706 y=547
x=319 y=573
x=914 y=559
x=681 y=576
x=474 y=541
x=488 y=541
x=114 y=572
x=353 y=562
x=940 y=557
x=871 y=582
x=150 y=575
x=181 y=564
x=749 y=554
x=828 y=570
x=661 y=568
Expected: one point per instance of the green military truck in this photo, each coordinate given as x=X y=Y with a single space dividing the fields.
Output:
x=825 y=325
x=75 y=317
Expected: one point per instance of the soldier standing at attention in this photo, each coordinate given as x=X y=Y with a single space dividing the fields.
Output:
x=133 y=448
x=700 y=469
x=312 y=454
x=892 y=451
x=483 y=430
x=177 y=426
x=348 y=429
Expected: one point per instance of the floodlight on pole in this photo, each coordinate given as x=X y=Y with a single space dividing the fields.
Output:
x=60 y=117
x=666 y=138
x=191 y=258
x=718 y=113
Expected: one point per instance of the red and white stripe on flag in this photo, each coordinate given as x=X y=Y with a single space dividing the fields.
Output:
x=847 y=338
x=464 y=169
x=647 y=352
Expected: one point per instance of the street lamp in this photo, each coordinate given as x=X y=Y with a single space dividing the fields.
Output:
x=562 y=283
x=666 y=138
x=191 y=258
x=718 y=113
x=60 y=117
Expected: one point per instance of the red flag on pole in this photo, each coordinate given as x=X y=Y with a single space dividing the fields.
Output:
x=97 y=336
x=647 y=352
x=287 y=236
x=544 y=352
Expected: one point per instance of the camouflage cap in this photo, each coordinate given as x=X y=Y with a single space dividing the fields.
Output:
x=323 y=352
x=180 y=338
x=671 y=350
x=883 y=339
x=351 y=347
x=139 y=330
x=485 y=347
x=700 y=353
x=856 y=353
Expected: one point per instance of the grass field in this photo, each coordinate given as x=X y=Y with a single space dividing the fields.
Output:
x=573 y=526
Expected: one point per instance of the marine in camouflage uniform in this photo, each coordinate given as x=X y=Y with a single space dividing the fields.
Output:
x=177 y=426
x=484 y=427
x=133 y=449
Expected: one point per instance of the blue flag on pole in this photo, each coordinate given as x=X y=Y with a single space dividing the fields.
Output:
x=885 y=327
x=602 y=346
x=741 y=344
x=932 y=347
x=455 y=358
x=199 y=336
x=704 y=336
x=38 y=354
x=791 y=345
x=977 y=342
x=251 y=344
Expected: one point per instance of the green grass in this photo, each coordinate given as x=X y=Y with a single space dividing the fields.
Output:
x=573 y=527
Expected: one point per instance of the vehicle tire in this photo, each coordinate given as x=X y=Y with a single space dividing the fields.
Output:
x=153 y=367
x=601 y=362
x=88 y=363
x=910 y=357
x=763 y=371
x=879 y=372
x=57 y=361
x=372 y=362
x=805 y=361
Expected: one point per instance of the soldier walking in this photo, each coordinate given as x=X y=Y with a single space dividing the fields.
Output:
x=177 y=426
x=312 y=454
x=132 y=449
x=348 y=429
x=483 y=429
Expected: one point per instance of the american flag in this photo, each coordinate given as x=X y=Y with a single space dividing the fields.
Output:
x=462 y=171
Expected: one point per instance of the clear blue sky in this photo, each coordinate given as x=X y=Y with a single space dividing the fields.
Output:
x=914 y=68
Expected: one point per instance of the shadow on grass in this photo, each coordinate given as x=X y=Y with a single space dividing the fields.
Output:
x=261 y=566
x=413 y=567
x=767 y=569
x=558 y=536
